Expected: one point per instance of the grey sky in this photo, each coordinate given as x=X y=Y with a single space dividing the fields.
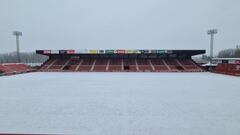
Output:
x=127 y=24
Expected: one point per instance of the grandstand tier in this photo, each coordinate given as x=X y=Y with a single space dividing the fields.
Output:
x=14 y=68
x=121 y=60
x=230 y=66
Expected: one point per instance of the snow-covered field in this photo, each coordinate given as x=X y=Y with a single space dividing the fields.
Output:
x=120 y=103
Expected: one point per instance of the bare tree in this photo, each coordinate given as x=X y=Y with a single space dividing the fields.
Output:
x=27 y=57
x=230 y=53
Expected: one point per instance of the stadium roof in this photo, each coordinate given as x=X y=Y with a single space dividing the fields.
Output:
x=120 y=52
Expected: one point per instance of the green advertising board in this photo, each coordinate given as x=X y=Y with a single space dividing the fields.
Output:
x=161 y=51
x=109 y=51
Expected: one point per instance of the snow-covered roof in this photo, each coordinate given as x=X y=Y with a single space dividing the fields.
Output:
x=226 y=58
x=209 y=64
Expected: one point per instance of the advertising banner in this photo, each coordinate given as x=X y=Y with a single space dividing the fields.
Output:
x=153 y=51
x=81 y=51
x=70 y=51
x=128 y=51
x=120 y=51
x=62 y=51
x=101 y=51
x=136 y=51
x=161 y=51
x=46 y=51
x=144 y=51
x=54 y=51
x=93 y=51
x=109 y=51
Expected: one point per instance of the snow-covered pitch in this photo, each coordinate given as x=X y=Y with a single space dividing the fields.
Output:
x=120 y=103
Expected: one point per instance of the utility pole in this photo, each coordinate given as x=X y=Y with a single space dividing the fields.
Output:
x=211 y=32
x=17 y=34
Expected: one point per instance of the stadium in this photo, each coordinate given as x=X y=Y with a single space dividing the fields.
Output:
x=119 y=67
x=118 y=92
x=120 y=60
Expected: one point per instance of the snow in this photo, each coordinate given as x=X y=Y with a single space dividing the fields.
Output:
x=120 y=103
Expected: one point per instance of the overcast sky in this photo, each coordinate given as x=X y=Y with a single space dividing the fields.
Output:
x=126 y=24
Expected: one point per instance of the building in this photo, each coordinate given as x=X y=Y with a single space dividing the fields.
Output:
x=120 y=60
x=229 y=66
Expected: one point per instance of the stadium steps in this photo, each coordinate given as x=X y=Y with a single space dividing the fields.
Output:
x=94 y=62
x=86 y=65
x=120 y=65
x=164 y=62
x=107 y=67
x=150 y=62
x=179 y=63
x=196 y=67
x=77 y=68
x=65 y=64
x=50 y=64
x=137 y=67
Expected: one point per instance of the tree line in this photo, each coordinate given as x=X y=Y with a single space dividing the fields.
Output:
x=26 y=57
x=230 y=53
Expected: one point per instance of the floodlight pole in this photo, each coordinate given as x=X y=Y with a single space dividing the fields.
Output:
x=211 y=32
x=17 y=34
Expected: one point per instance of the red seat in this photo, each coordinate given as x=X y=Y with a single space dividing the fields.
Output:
x=12 y=68
x=121 y=65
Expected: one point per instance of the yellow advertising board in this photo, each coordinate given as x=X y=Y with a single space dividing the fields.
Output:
x=132 y=51
x=93 y=51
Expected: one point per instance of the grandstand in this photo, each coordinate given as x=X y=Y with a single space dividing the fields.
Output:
x=14 y=68
x=120 y=60
x=229 y=66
